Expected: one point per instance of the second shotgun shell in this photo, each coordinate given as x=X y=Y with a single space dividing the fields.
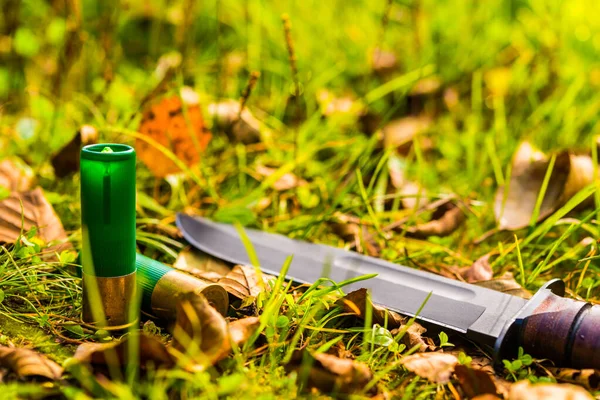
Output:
x=162 y=288
x=108 y=225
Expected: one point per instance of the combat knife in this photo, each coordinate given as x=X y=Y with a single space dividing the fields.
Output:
x=547 y=326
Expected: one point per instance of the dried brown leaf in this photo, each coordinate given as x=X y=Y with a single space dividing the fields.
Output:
x=166 y=124
x=200 y=330
x=474 y=382
x=36 y=212
x=451 y=219
x=286 y=182
x=486 y=397
x=356 y=303
x=384 y=62
x=571 y=173
x=329 y=373
x=244 y=128
x=399 y=134
x=358 y=235
x=436 y=367
x=66 y=161
x=197 y=263
x=413 y=195
x=481 y=270
x=506 y=284
x=28 y=364
x=588 y=378
x=15 y=175
x=101 y=356
x=414 y=337
x=427 y=85
x=524 y=390
x=204 y=335
x=242 y=282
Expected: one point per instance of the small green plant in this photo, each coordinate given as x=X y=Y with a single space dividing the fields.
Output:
x=519 y=368
x=444 y=340
x=464 y=359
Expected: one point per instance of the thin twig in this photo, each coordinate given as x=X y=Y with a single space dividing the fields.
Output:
x=287 y=28
x=254 y=75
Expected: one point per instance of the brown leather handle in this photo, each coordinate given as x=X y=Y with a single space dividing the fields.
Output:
x=563 y=330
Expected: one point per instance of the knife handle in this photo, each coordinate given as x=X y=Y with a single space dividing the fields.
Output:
x=553 y=327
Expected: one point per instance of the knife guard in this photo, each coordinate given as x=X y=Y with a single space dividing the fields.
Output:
x=550 y=326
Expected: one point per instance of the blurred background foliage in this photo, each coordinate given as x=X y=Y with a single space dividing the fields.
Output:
x=502 y=71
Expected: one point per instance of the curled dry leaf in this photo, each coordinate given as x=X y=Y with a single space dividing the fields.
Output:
x=200 y=331
x=506 y=284
x=66 y=161
x=474 y=382
x=571 y=173
x=15 y=175
x=481 y=270
x=286 y=182
x=524 y=390
x=356 y=302
x=436 y=367
x=414 y=337
x=329 y=373
x=448 y=222
x=244 y=128
x=182 y=133
x=197 y=263
x=35 y=213
x=400 y=133
x=101 y=357
x=588 y=378
x=242 y=282
x=28 y=364
x=202 y=334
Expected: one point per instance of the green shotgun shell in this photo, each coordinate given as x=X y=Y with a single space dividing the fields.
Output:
x=108 y=225
x=163 y=286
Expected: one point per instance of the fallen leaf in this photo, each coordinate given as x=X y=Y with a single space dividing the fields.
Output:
x=197 y=263
x=450 y=220
x=35 y=213
x=66 y=161
x=486 y=397
x=399 y=134
x=242 y=282
x=481 y=270
x=332 y=106
x=571 y=173
x=166 y=124
x=588 y=378
x=286 y=182
x=358 y=235
x=384 y=62
x=101 y=357
x=413 y=195
x=244 y=128
x=524 y=390
x=329 y=373
x=28 y=364
x=436 y=367
x=203 y=335
x=200 y=331
x=15 y=175
x=356 y=303
x=427 y=85
x=414 y=337
x=474 y=382
x=506 y=284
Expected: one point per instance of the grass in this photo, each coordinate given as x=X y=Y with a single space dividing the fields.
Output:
x=509 y=70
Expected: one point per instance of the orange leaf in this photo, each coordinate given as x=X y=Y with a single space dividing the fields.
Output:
x=184 y=135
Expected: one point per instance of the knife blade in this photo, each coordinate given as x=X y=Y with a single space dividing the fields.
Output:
x=492 y=319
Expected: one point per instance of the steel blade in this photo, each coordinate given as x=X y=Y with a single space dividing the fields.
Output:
x=478 y=312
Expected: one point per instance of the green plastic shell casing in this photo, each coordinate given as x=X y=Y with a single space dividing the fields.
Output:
x=108 y=209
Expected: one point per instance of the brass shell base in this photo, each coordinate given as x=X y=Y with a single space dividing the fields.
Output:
x=116 y=295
